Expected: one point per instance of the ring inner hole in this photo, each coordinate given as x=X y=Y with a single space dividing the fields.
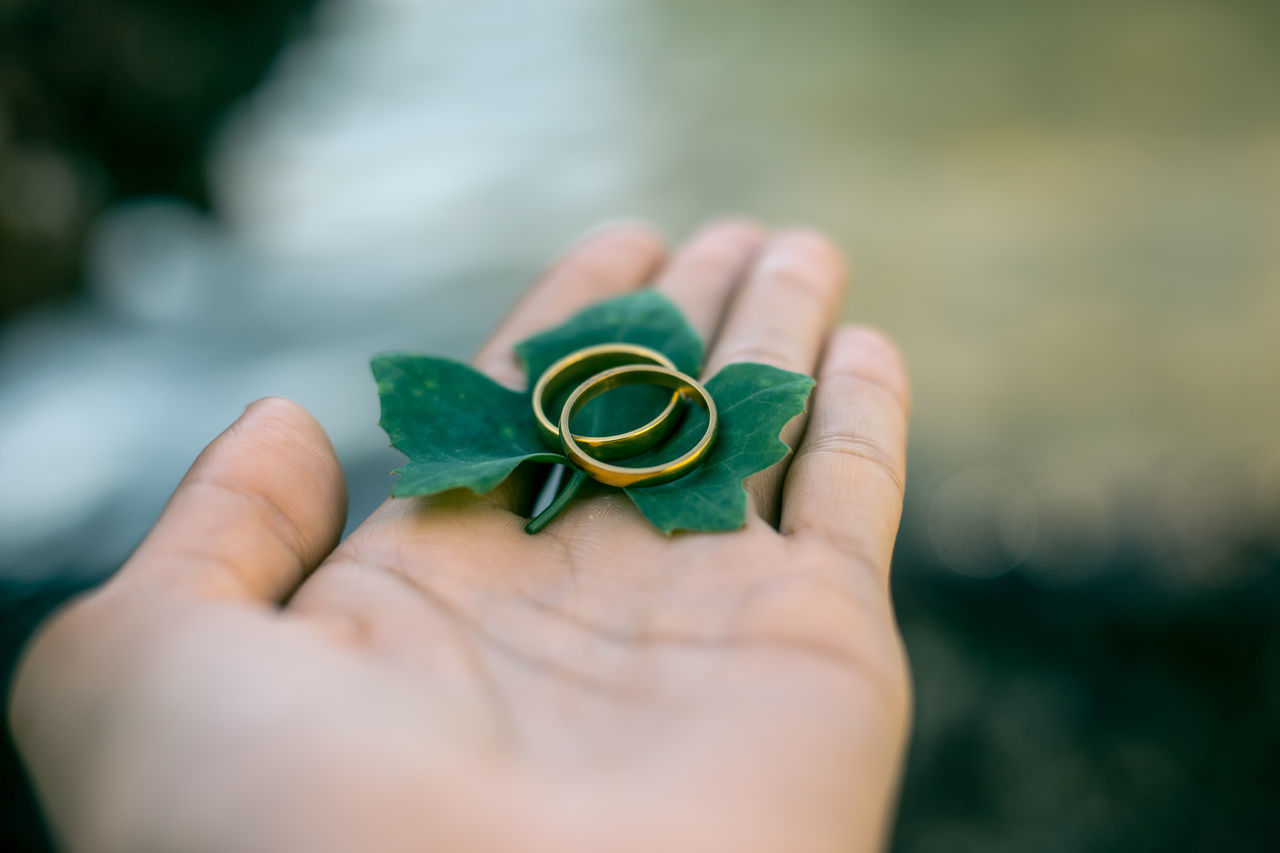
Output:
x=615 y=411
x=690 y=430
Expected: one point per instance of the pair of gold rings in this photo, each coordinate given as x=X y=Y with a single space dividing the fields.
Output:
x=602 y=368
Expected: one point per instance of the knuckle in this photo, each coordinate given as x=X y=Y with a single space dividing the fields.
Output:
x=847 y=546
x=764 y=351
x=801 y=274
x=869 y=356
x=863 y=451
x=265 y=511
x=850 y=381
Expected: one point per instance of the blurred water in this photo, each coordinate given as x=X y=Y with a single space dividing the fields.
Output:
x=1067 y=215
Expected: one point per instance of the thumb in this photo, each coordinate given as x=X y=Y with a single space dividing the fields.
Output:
x=260 y=508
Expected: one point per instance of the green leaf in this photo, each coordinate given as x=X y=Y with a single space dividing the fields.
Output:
x=459 y=428
x=462 y=430
x=645 y=317
x=754 y=401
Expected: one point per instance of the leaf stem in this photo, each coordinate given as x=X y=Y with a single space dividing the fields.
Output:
x=566 y=494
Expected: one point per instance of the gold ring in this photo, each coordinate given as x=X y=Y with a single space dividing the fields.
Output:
x=637 y=374
x=589 y=361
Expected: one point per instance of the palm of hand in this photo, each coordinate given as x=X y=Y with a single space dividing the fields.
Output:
x=444 y=680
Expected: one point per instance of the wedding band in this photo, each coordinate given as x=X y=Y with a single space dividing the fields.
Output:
x=589 y=361
x=636 y=374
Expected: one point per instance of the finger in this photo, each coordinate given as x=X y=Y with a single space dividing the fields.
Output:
x=605 y=263
x=845 y=486
x=782 y=313
x=701 y=278
x=260 y=508
x=781 y=317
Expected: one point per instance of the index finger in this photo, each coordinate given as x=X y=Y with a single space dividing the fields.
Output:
x=845 y=486
x=605 y=263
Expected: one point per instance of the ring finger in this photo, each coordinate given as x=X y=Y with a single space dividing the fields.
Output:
x=781 y=317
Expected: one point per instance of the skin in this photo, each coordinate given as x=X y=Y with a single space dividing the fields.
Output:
x=441 y=680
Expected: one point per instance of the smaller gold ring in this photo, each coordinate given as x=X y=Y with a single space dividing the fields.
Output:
x=637 y=374
x=589 y=361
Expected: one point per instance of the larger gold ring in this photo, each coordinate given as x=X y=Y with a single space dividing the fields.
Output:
x=589 y=361
x=637 y=374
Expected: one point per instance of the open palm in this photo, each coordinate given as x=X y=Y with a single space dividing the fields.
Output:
x=442 y=680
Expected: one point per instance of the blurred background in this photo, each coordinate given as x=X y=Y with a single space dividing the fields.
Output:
x=1068 y=214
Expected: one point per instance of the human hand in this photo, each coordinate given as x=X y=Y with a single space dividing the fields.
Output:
x=442 y=680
